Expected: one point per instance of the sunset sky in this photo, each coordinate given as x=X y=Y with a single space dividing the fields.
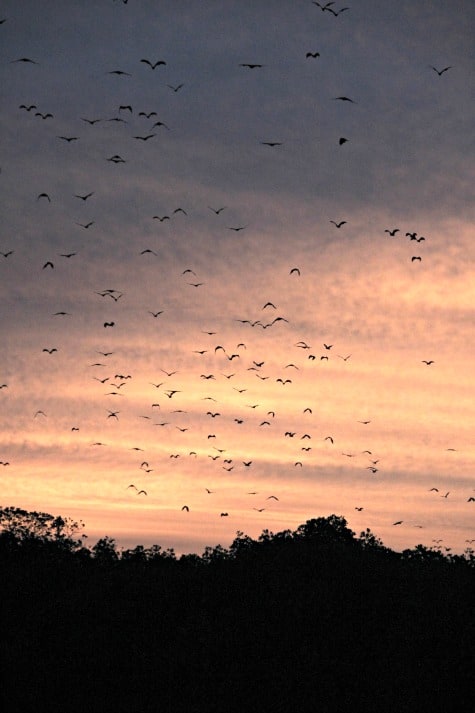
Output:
x=308 y=340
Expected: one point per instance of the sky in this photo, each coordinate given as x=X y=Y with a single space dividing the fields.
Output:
x=207 y=239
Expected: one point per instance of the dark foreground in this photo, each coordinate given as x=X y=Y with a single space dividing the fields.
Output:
x=312 y=620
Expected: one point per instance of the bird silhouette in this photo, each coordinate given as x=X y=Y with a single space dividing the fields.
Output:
x=440 y=71
x=153 y=65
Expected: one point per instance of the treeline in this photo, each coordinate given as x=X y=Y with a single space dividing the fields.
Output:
x=315 y=619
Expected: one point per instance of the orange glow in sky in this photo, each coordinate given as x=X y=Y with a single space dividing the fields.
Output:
x=243 y=345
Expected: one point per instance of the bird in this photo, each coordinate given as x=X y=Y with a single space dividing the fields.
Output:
x=359 y=509
x=392 y=231
x=416 y=257
x=145 y=138
x=295 y=271
x=44 y=116
x=236 y=230
x=175 y=88
x=109 y=324
x=149 y=115
x=440 y=71
x=185 y=507
x=119 y=73
x=224 y=514
x=338 y=225
x=25 y=60
x=116 y=159
x=169 y=373
x=155 y=314
x=342 y=140
x=344 y=358
x=336 y=12
x=43 y=195
x=86 y=226
x=312 y=54
x=345 y=99
x=142 y=492
x=272 y=497
x=428 y=361
x=28 y=108
x=153 y=65
x=68 y=138
x=85 y=197
x=250 y=66
x=48 y=264
x=7 y=254
x=271 y=143
x=217 y=211
x=398 y=522
x=50 y=351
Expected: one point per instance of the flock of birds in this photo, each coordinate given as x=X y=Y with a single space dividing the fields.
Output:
x=226 y=397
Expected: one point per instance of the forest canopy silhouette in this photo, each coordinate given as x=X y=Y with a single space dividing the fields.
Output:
x=315 y=619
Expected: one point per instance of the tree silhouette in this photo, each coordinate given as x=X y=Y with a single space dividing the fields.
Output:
x=311 y=619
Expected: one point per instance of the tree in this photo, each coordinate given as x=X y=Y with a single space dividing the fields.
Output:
x=105 y=551
x=327 y=530
x=39 y=528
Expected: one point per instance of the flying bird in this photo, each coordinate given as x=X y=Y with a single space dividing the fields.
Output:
x=153 y=65
x=217 y=211
x=338 y=225
x=175 y=88
x=25 y=60
x=250 y=66
x=440 y=71
x=392 y=231
x=312 y=54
